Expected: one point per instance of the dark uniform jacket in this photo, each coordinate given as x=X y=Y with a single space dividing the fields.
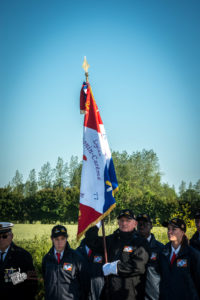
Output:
x=94 y=264
x=182 y=279
x=16 y=258
x=195 y=241
x=132 y=252
x=66 y=280
x=152 y=290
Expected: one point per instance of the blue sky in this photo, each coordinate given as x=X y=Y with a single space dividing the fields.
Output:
x=145 y=70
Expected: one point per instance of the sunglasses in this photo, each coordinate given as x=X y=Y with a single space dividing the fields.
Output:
x=4 y=236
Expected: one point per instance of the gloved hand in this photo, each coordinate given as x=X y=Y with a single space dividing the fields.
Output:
x=110 y=268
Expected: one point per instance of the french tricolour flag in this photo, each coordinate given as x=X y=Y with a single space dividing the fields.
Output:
x=98 y=179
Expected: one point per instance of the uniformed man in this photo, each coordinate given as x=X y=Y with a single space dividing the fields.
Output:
x=152 y=276
x=127 y=256
x=17 y=274
x=195 y=240
x=64 y=270
x=94 y=262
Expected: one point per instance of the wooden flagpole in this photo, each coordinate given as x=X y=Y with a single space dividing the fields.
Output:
x=104 y=242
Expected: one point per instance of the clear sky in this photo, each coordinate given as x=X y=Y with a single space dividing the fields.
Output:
x=145 y=75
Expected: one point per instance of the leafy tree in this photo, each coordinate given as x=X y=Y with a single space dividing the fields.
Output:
x=182 y=187
x=17 y=182
x=192 y=198
x=69 y=204
x=45 y=176
x=61 y=174
x=141 y=169
x=31 y=184
x=190 y=186
x=46 y=206
x=197 y=186
x=75 y=172
x=11 y=205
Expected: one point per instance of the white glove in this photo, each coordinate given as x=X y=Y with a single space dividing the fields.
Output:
x=110 y=268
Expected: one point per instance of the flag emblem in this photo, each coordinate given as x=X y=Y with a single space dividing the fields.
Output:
x=128 y=249
x=98 y=259
x=182 y=263
x=153 y=256
x=67 y=267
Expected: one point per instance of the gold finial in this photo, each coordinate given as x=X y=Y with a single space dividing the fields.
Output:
x=86 y=67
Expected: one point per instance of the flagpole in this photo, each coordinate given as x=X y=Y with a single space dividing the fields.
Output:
x=85 y=67
x=106 y=260
x=104 y=242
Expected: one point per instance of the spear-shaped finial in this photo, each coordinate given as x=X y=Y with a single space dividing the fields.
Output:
x=86 y=67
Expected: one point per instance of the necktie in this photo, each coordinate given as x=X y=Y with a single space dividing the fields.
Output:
x=173 y=258
x=1 y=260
x=89 y=252
x=58 y=256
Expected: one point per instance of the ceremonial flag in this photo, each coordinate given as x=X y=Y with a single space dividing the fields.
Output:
x=98 y=179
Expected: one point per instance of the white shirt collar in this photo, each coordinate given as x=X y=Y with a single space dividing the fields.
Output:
x=87 y=249
x=5 y=251
x=149 y=238
x=61 y=253
x=176 y=251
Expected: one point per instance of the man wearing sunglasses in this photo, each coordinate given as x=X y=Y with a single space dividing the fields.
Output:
x=17 y=274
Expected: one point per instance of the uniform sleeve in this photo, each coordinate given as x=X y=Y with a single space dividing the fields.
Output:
x=84 y=277
x=195 y=268
x=93 y=241
x=31 y=283
x=135 y=264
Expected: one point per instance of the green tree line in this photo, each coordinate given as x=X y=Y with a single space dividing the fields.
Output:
x=52 y=195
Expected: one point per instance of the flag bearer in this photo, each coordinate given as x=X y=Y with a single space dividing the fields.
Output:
x=64 y=271
x=179 y=265
x=127 y=256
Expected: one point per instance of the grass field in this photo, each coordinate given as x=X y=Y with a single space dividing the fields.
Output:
x=37 y=231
